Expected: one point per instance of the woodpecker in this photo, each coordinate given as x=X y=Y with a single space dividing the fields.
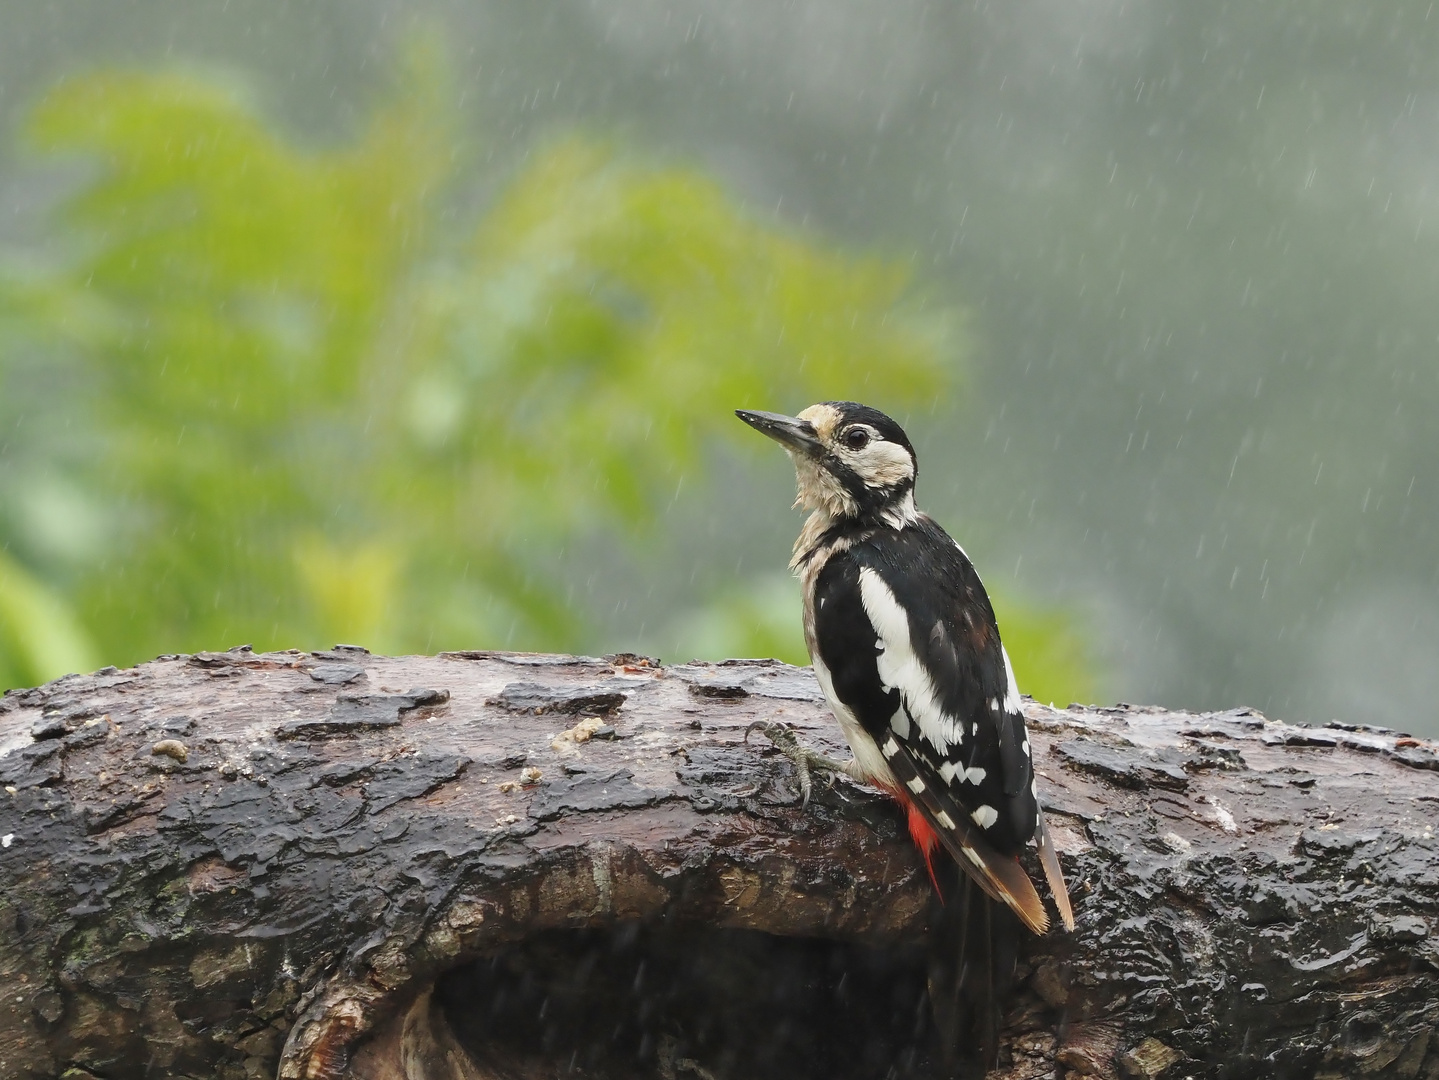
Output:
x=906 y=648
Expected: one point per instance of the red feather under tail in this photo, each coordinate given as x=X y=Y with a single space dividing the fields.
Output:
x=926 y=839
x=921 y=832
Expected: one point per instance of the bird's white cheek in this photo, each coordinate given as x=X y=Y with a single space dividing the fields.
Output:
x=883 y=464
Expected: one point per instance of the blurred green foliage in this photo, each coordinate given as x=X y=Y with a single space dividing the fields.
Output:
x=1051 y=661
x=330 y=410
x=40 y=638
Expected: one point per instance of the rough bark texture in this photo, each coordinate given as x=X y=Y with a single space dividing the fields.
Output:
x=477 y=865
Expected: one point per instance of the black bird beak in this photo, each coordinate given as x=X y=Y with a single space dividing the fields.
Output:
x=790 y=432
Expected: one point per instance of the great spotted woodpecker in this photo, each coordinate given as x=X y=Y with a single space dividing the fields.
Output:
x=907 y=651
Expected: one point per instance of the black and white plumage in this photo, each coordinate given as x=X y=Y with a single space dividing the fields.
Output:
x=906 y=647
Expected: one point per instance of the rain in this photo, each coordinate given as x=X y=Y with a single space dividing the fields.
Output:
x=421 y=326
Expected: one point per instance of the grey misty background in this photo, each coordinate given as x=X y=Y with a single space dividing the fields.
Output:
x=1196 y=242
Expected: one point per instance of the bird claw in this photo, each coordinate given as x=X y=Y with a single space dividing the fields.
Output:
x=805 y=760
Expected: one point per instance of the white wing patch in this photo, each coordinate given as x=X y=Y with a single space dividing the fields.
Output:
x=972 y=775
x=985 y=816
x=900 y=668
x=1011 y=690
x=899 y=722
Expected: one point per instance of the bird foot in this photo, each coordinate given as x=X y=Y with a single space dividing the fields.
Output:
x=806 y=761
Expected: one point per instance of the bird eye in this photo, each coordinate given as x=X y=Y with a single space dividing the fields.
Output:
x=856 y=438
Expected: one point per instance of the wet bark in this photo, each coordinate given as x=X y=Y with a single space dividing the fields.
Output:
x=477 y=865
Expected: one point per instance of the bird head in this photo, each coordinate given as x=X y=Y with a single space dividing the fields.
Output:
x=850 y=461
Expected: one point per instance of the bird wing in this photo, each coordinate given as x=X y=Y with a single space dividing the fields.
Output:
x=907 y=632
x=1000 y=876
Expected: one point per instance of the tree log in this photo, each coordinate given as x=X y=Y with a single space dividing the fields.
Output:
x=487 y=864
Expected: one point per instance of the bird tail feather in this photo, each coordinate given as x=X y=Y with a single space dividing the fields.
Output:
x=971 y=974
x=1049 y=859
